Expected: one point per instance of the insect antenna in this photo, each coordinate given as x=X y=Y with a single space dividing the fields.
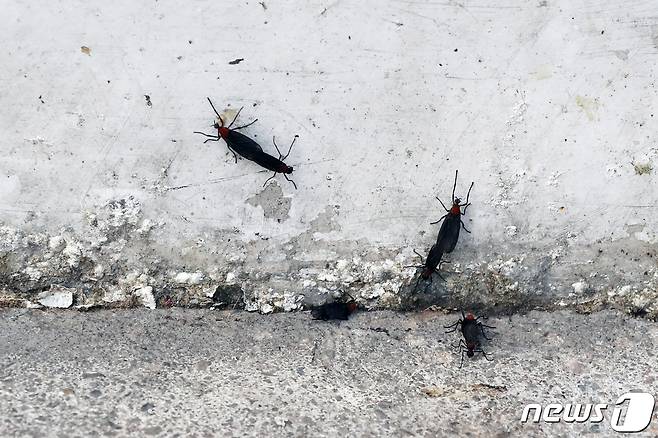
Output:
x=465 y=205
x=276 y=146
x=469 y=191
x=213 y=108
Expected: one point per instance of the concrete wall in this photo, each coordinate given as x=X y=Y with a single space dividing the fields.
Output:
x=108 y=198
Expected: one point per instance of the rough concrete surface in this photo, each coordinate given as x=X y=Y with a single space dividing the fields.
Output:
x=108 y=198
x=196 y=373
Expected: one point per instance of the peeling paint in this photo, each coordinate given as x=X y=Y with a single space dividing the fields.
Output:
x=271 y=200
x=122 y=205
x=91 y=266
x=588 y=105
x=642 y=168
x=58 y=297
x=145 y=294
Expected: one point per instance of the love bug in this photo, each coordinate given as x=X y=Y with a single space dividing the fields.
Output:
x=430 y=266
x=248 y=148
x=334 y=310
x=472 y=330
x=452 y=221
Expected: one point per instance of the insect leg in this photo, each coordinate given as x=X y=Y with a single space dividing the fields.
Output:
x=453 y=326
x=484 y=354
x=462 y=222
x=484 y=325
x=235 y=118
x=483 y=333
x=234 y=155
x=203 y=133
x=288 y=179
x=443 y=205
x=268 y=179
x=244 y=126
x=211 y=139
x=440 y=219
x=462 y=350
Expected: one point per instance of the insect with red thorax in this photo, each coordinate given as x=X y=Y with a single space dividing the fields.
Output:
x=472 y=330
x=248 y=148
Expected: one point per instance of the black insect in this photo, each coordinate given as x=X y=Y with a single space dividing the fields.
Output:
x=430 y=266
x=472 y=330
x=248 y=148
x=334 y=310
x=452 y=221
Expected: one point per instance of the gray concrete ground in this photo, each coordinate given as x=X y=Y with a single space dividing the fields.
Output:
x=198 y=373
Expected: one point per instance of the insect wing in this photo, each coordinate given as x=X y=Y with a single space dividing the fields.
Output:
x=243 y=145
x=434 y=257
x=471 y=332
x=268 y=162
x=448 y=234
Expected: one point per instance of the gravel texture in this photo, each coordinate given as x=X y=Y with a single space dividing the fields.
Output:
x=202 y=373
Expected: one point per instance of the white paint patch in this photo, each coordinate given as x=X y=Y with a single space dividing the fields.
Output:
x=266 y=308
x=73 y=252
x=33 y=273
x=57 y=243
x=145 y=294
x=189 y=277
x=31 y=305
x=59 y=297
x=579 y=287
x=646 y=235
x=114 y=295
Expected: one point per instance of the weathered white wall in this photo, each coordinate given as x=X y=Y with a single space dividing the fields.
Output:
x=547 y=105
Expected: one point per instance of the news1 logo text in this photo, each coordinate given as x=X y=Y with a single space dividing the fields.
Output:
x=638 y=408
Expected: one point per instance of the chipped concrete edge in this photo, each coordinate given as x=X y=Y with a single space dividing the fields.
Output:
x=119 y=259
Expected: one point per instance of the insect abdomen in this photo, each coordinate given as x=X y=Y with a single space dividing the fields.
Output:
x=269 y=162
x=449 y=233
x=243 y=145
